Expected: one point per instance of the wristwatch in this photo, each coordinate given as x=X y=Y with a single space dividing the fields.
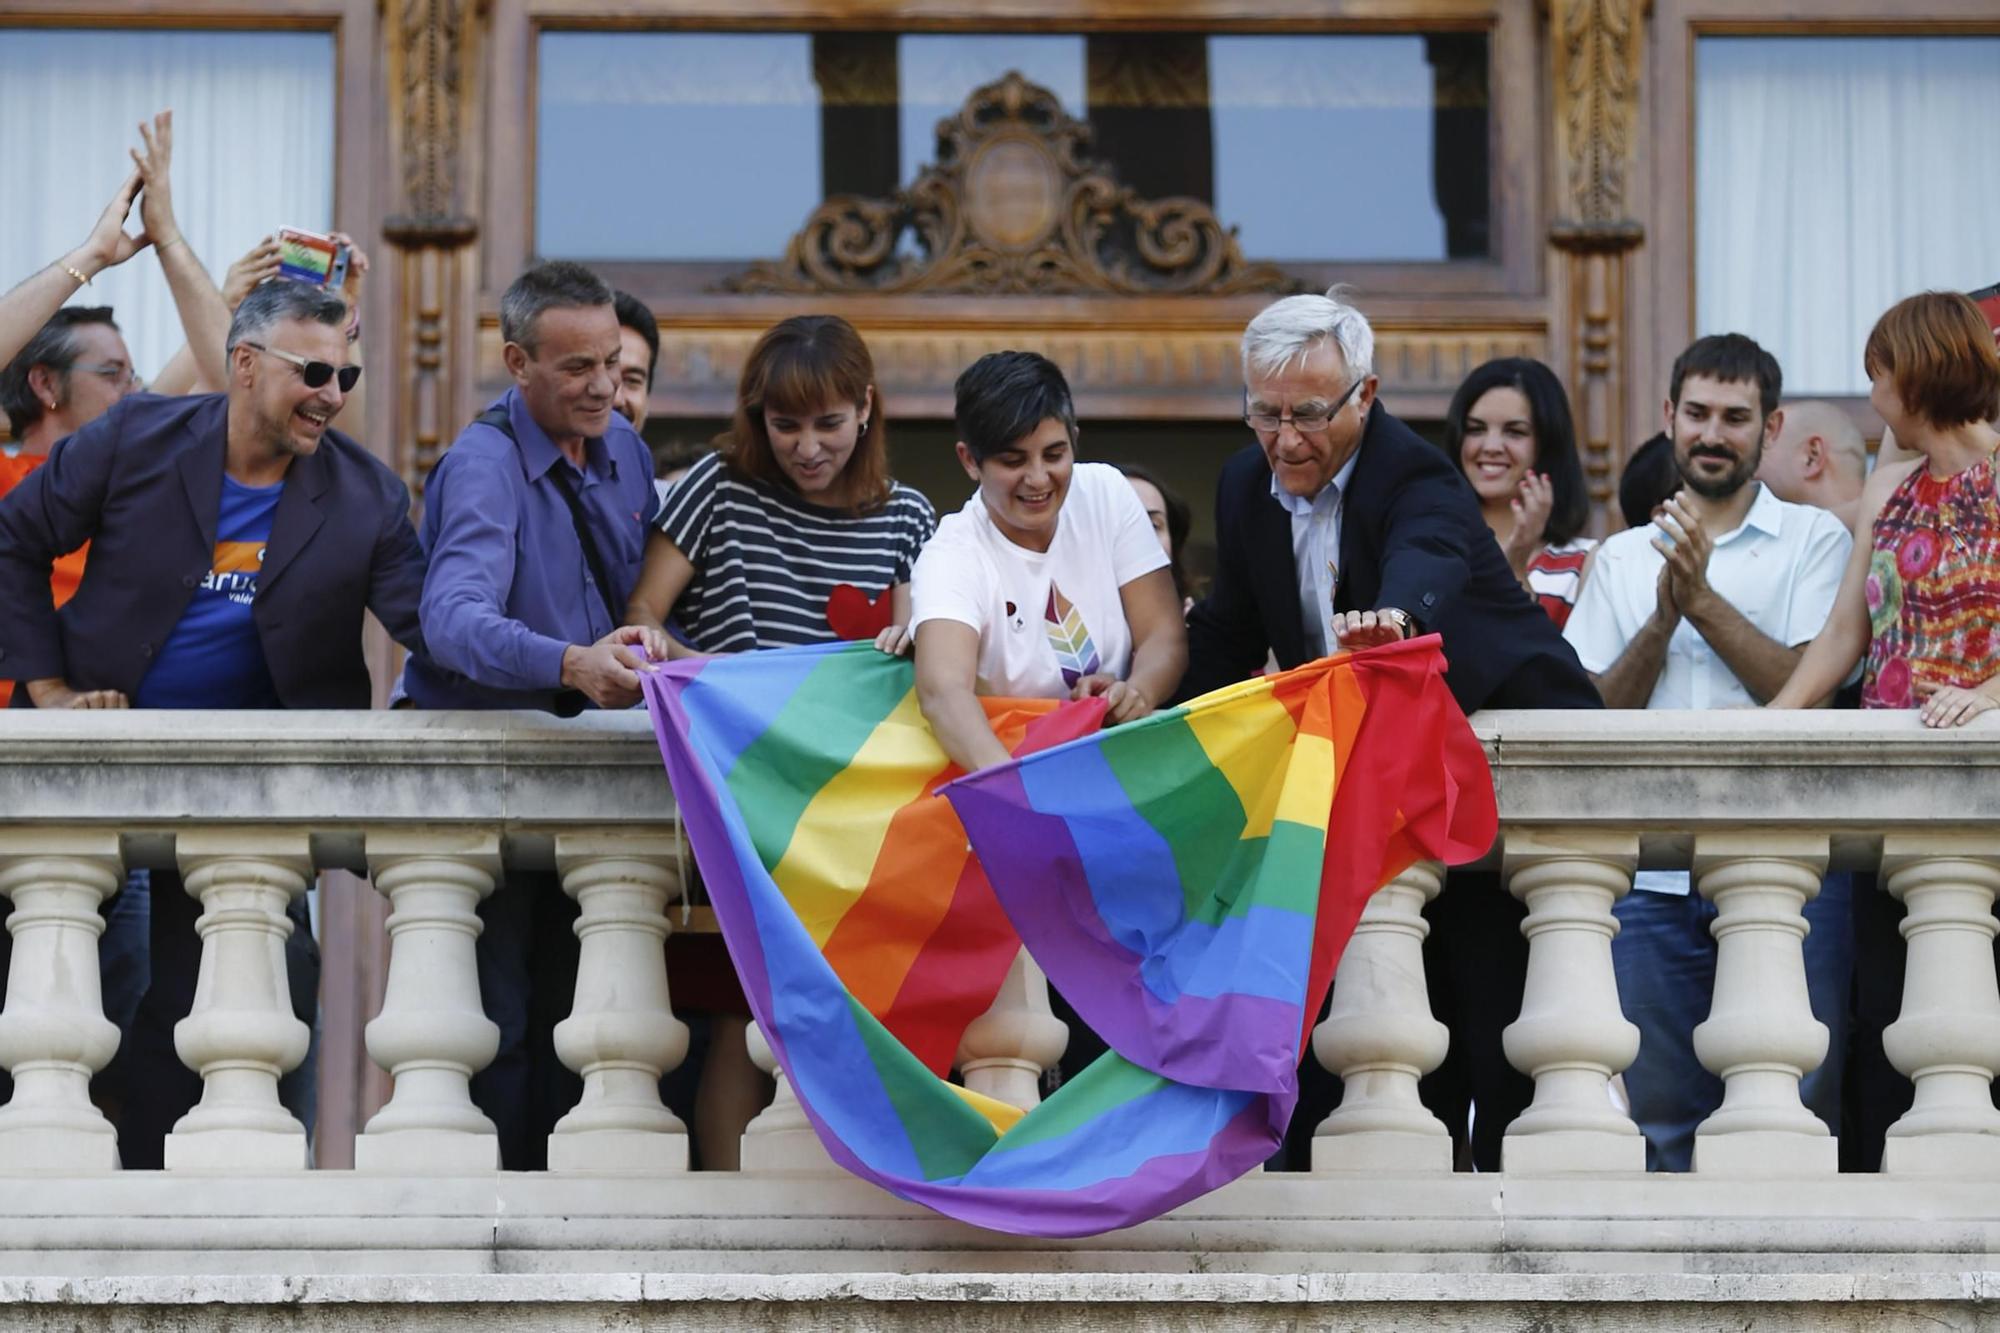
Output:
x=1399 y=618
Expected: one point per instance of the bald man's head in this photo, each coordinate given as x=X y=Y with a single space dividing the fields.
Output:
x=1818 y=457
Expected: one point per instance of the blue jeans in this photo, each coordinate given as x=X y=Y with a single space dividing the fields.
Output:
x=1665 y=960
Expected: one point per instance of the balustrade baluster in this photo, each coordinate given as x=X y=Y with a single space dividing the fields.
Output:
x=1380 y=1037
x=781 y=1138
x=432 y=1034
x=1760 y=1037
x=1003 y=1051
x=1572 y=1036
x=241 y=1034
x=1947 y=1038
x=53 y=1032
x=621 y=1034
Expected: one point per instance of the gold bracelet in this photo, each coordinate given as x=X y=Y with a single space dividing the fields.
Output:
x=81 y=281
x=163 y=248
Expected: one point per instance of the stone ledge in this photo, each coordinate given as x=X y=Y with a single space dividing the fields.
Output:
x=1009 y=1288
x=952 y=1301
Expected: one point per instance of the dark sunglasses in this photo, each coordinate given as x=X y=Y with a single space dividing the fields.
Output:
x=314 y=373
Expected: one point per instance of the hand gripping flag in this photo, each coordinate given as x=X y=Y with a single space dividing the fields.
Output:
x=1188 y=881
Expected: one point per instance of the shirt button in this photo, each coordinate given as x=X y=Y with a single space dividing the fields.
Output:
x=146 y=650
x=189 y=580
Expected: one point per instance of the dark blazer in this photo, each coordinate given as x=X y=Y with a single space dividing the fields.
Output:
x=143 y=485
x=1411 y=537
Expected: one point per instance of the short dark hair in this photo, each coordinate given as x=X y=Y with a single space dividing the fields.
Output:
x=637 y=316
x=269 y=302
x=54 y=345
x=550 y=284
x=1180 y=520
x=1650 y=477
x=1003 y=396
x=1555 y=435
x=1937 y=349
x=1729 y=358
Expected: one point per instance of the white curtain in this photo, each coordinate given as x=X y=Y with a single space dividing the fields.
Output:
x=253 y=151
x=1835 y=176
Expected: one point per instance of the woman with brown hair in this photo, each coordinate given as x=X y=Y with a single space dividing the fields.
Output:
x=794 y=532
x=1921 y=596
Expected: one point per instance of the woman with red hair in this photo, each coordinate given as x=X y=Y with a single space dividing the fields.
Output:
x=1921 y=596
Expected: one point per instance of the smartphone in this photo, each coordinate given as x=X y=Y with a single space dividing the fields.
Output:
x=307 y=256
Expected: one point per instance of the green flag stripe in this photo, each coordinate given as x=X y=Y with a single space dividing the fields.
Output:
x=814 y=736
x=1109 y=1081
x=948 y=1135
x=1170 y=782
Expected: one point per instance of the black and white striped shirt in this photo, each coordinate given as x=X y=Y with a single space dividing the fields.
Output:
x=767 y=562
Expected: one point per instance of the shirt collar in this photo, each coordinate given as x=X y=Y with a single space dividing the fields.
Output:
x=1301 y=506
x=537 y=451
x=1767 y=514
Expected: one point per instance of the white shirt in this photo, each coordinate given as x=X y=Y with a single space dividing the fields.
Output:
x=1781 y=568
x=1045 y=618
x=1316 y=550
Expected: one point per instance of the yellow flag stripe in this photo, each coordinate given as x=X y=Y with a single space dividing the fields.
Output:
x=826 y=866
x=1246 y=743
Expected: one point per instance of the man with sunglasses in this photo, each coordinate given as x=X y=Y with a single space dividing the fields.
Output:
x=236 y=542
x=1341 y=529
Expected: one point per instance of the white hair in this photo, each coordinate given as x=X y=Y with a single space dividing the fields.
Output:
x=1285 y=333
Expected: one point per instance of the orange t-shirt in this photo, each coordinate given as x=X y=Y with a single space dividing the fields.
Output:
x=68 y=568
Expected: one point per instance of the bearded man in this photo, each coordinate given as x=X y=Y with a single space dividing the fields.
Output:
x=1710 y=606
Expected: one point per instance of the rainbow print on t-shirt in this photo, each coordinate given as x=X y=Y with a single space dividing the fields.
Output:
x=1069 y=638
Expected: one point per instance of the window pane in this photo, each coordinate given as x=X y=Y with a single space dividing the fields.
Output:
x=1330 y=147
x=761 y=128
x=675 y=145
x=1833 y=177
x=253 y=151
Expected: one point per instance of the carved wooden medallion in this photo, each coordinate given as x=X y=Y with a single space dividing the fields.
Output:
x=1012 y=207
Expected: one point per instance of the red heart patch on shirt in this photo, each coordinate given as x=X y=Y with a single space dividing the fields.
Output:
x=853 y=616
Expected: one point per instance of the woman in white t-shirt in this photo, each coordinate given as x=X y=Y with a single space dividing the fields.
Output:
x=1049 y=583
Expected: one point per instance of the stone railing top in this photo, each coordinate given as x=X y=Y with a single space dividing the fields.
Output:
x=1667 y=774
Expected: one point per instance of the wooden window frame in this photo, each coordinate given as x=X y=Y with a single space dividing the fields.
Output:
x=1664 y=293
x=1515 y=151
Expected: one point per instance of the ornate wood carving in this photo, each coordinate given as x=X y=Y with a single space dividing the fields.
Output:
x=429 y=49
x=1013 y=206
x=1597 y=46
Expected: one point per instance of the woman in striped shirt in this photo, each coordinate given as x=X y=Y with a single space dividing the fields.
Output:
x=794 y=532
x=1509 y=429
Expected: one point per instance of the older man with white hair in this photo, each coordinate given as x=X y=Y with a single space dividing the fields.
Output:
x=1343 y=529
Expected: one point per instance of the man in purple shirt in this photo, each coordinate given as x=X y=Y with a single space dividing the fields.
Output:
x=535 y=523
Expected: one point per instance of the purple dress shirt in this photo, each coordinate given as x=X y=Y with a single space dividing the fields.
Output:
x=509 y=588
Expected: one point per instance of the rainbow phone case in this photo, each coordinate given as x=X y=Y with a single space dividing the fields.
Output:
x=305 y=256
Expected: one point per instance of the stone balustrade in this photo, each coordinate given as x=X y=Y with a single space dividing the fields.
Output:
x=438 y=807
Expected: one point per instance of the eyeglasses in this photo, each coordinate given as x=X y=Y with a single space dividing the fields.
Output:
x=1305 y=423
x=314 y=373
x=120 y=375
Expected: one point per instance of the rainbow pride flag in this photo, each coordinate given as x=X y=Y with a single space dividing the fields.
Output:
x=1188 y=881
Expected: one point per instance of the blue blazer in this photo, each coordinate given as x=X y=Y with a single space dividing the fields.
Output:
x=1411 y=537
x=143 y=485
